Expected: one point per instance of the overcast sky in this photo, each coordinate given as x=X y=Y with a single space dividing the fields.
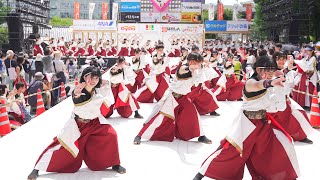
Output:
x=229 y=2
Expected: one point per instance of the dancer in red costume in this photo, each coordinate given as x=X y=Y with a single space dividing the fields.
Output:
x=37 y=49
x=120 y=75
x=72 y=48
x=157 y=82
x=61 y=46
x=140 y=68
x=133 y=46
x=87 y=136
x=90 y=47
x=307 y=78
x=213 y=58
x=183 y=60
x=175 y=115
x=124 y=48
x=113 y=47
x=203 y=98
x=101 y=51
x=80 y=49
x=255 y=137
x=293 y=119
x=229 y=87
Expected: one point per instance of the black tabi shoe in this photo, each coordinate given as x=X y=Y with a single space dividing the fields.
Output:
x=214 y=113
x=137 y=115
x=137 y=140
x=119 y=169
x=204 y=139
x=306 y=140
x=33 y=175
x=198 y=177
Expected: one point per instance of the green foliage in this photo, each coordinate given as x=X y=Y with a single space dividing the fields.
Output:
x=57 y=21
x=259 y=24
x=3 y=35
x=227 y=15
x=205 y=15
x=3 y=12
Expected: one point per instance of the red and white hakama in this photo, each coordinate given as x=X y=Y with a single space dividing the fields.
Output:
x=294 y=120
x=132 y=48
x=37 y=49
x=141 y=68
x=203 y=99
x=62 y=48
x=90 y=50
x=229 y=87
x=305 y=81
x=113 y=50
x=125 y=102
x=124 y=50
x=260 y=144
x=101 y=51
x=173 y=116
x=156 y=83
x=94 y=141
x=80 y=51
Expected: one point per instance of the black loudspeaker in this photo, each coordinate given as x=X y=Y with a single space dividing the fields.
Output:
x=15 y=29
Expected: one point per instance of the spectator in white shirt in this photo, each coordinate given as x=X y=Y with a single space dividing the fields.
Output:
x=59 y=75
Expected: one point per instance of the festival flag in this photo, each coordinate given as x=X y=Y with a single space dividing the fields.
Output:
x=211 y=11
x=220 y=10
x=249 y=12
x=104 y=11
x=76 y=10
x=91 y=9
x=115 y=9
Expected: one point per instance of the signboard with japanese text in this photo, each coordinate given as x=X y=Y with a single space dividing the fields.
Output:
x=229 y=26
x=130 y=17
x=150 y=17
x=88 y=25
x=242 y=26
x=215 y=26
x=130 y=7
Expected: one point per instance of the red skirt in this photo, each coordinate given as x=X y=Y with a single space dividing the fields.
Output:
x=123 y=52
x=299 y=97
x=233 y=90
x=177 y=53
x=132 y=52
x=138 y=82
x=185 y=126
x=215 y=80
x=98 y=148
x=290 y=123
x=203 y=100
x=80 y=51
x=146 y=96
x=113 y=50
x=123 y=108
x=262 y=145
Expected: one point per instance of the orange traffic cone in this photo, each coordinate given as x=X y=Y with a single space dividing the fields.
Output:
x=40 y=104
x=76 y=81
x=244 y=79
x=315 y=111
x=63 y=94
x=4 y=120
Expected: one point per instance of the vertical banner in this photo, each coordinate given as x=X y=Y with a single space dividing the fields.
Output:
x=91 y=9
x=211 y=12
x=220 y=11
x=104 y=11
x=115 y=9
x=249 y=12
x=76 y=10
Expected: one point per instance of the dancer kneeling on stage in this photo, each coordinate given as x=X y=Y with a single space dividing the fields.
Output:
x=175 y=115
x=87 y=136
x=256 y=139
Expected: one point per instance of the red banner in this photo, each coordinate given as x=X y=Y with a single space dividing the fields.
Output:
x=249 y=12
x=104 y=11
x=76 y=10
x=220 y=11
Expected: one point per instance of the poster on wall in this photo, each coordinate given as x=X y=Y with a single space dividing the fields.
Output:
x=170 y=17
x=190 y=17
x=150 y=17
x=104 y=11
x=130 y=17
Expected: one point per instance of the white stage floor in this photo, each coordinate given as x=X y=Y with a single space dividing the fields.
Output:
x=149 y=161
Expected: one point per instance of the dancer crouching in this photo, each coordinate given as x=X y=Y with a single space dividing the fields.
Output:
x=87 y=136
x=175 y=115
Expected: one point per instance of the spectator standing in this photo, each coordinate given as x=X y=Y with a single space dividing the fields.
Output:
x=39 y=63
x=59 y=75
x=26 y=68
x=3 y=73
x=36 y=84
x=32 y=67
x=10 y=64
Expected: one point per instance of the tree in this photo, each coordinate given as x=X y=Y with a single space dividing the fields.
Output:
x=57 y=21
x=3 y=35
x=259 y=24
